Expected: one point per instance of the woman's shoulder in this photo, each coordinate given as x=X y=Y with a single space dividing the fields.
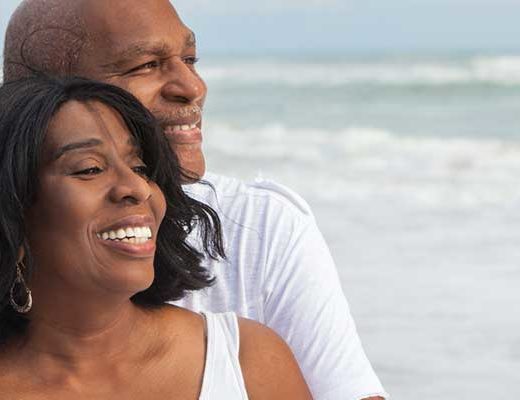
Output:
x=268 y=364
x=179 y=334
x=174 y=320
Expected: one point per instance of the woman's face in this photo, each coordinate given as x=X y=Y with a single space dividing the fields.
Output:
x=94 y=223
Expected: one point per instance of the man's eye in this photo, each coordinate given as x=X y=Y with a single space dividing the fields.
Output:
x=148 y=65
x=191 y=60
x=88 y=171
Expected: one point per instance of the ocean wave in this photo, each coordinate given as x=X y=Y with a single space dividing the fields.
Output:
x=277 y=140
x=504 y=70
x=362 y=162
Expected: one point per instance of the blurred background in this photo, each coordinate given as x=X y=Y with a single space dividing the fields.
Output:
x=399 y=122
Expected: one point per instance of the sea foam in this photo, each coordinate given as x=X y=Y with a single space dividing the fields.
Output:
x=500 y=70
x=363 y=161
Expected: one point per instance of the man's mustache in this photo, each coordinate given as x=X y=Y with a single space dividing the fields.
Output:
x=172 y=117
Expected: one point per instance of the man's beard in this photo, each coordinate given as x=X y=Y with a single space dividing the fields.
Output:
x=173 y=117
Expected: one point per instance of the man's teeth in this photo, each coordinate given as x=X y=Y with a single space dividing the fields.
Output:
x=183 y=127
x=134 y=235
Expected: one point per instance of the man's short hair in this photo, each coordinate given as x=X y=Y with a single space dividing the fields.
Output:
x=44 y=36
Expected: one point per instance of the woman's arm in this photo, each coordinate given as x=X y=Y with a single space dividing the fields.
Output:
x=268 y=365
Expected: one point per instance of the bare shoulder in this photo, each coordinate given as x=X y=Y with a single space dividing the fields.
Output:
x=268 y=365
x=178 y=321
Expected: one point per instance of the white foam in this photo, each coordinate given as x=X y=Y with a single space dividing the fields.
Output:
x=361 y=162
x=503 y=70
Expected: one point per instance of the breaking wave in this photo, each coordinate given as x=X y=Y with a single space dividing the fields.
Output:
x=503 y=70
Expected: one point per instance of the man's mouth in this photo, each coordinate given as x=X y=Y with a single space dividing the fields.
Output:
x=183 y=133
x=183 y=127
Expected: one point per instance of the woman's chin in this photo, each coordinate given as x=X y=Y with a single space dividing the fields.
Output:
x=134 y=281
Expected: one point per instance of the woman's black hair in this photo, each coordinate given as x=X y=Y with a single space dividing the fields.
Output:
x=27 y=107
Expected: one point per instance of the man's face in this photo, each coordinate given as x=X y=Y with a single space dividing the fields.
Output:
x=143 y=47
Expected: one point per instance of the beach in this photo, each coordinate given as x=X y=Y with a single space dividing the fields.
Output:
x=411 y=164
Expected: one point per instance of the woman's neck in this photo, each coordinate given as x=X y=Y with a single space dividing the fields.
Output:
x=77 y=335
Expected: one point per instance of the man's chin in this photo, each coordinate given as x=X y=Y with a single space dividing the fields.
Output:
x=192 y=162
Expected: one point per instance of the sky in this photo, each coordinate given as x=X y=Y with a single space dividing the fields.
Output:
x=355 y=25
x=343 y=26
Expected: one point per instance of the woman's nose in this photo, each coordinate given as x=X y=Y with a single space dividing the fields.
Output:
x=130 y=187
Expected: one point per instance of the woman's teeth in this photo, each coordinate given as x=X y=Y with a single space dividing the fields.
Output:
x=134 y=235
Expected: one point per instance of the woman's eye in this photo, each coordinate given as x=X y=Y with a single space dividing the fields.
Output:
x=141 y=170
x=88 y=171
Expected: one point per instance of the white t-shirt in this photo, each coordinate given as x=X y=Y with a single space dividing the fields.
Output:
x=280 y=272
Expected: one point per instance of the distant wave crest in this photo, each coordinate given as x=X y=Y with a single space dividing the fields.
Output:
x=504 y=70
x=369 y=162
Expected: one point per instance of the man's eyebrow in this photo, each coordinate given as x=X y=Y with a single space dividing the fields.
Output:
x=191 y=40
x=146 y=48
x=85 y=144
x=136 y=50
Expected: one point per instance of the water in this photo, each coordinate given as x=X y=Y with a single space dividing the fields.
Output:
x=412 y=166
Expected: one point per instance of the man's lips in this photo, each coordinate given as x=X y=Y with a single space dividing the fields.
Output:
x=183 y=134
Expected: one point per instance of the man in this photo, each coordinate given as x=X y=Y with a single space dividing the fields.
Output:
x=279 y=270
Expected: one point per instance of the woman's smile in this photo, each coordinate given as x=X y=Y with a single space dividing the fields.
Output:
x=132 y=235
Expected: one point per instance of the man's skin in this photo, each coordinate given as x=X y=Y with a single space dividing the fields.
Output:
x=152 y=54
x=141 y=46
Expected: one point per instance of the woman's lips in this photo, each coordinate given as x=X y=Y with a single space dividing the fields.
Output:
x=132 y=235
x=140 y=250
x=183 y=134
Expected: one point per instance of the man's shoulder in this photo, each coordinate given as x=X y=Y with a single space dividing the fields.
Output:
x=223 y=192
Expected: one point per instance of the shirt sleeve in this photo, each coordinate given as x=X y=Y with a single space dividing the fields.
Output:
x=304 y=303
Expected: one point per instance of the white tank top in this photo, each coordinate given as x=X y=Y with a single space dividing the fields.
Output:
x=223 y=379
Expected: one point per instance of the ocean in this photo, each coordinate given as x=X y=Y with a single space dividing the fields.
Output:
x=411 y=164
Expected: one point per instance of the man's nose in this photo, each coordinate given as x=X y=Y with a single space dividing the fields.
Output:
x=183 y=84
x=129 y=187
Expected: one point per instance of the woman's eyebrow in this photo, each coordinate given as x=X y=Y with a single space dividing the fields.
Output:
x=84 y=144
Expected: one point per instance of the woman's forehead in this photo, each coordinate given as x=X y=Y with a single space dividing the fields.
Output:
x=80 y=121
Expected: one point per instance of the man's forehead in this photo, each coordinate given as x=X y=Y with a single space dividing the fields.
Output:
x=143 y=47
x=122 y=17
x=136 y=28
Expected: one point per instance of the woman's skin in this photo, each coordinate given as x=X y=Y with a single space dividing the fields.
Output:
x=86 y=339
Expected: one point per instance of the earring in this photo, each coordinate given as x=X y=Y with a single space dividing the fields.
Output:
x=22 y=309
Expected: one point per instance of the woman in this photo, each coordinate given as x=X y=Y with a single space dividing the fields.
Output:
x=93 y=234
